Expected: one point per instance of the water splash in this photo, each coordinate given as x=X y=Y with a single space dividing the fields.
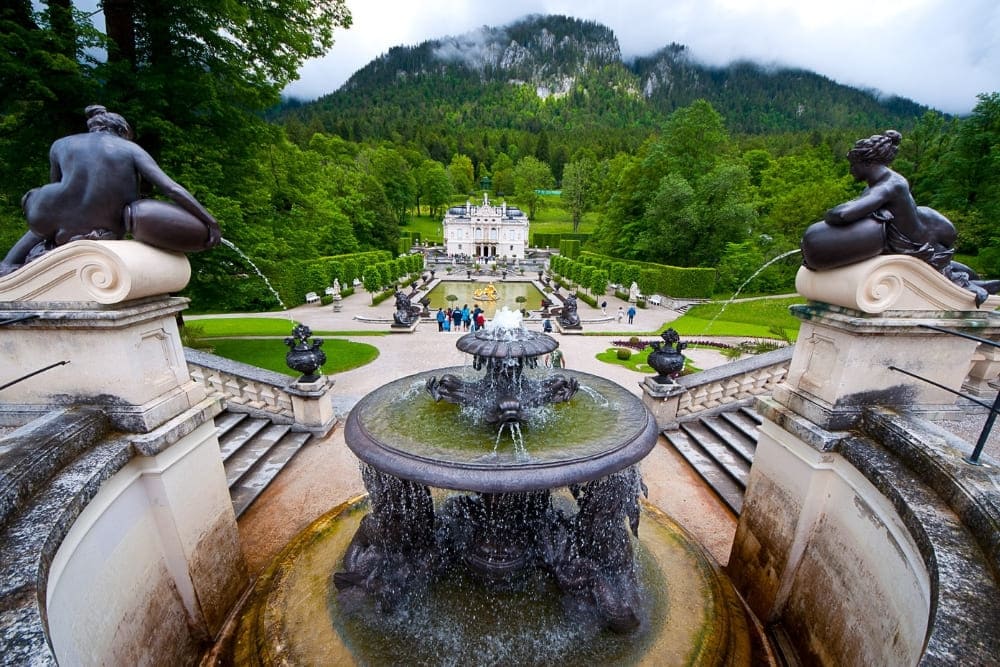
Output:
x=595 y=396
x=747 y=282
x=520 y=452
x=229 y=244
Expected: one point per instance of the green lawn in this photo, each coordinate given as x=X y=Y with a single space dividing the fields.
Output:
x=341 y=355
x=429 y=228
x=227 y=327
x=757 y=318
x=637 y=362
x=223 y=337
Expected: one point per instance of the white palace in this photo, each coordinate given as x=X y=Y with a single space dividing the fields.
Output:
x=486 y=231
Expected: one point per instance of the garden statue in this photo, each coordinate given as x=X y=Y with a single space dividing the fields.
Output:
x=633 y=293
x=568 y=317
x=406 y=313
x=885 y=219
x=94 y=194
x=304 y=356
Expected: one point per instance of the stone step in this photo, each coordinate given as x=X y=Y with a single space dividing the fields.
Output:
x=225 y=421
x=252 y=450
x=746 y=421
x=707 y=468
x=730 y=438
x=712 y=438
x=265 y=469
x=720 y=447
x=239 y=434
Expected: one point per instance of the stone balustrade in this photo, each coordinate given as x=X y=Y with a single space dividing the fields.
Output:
x=263 y=393
x=705 y=391
x=753 y=376
x=245 y=388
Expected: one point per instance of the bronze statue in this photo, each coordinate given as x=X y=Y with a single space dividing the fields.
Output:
x=885 y=219
x=94 y=194
x=406 y=313
x=568 y=317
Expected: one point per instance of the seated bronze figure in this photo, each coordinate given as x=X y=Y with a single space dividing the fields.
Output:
x=885 y=219
x=94 y=194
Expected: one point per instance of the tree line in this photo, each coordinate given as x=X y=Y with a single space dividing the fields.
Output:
x=685 y=190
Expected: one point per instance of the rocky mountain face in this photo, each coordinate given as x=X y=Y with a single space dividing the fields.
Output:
x=549 y=53
x=578 y=64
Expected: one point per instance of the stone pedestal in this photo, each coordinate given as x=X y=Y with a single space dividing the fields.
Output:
x=131 y=538
x=662 y=400
x=403 y=328
x=102 y=309
x=862 y=329
x=840 y=543
x=982 y=379
x=312 y=404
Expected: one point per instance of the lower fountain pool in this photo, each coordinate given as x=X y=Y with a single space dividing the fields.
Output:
x=691 y=615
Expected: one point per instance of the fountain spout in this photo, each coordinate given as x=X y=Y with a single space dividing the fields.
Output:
x=503 y=395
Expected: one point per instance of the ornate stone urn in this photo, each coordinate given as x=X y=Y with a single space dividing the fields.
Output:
x=667 y=361
x=304 y=357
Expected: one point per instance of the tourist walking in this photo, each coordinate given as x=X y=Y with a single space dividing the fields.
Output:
x=440 y=319
x=604 y=307
x=621 y=314
x=456 y=319
x=480 y=320
x=466 y=317
x=631 y=314
x=555 y=359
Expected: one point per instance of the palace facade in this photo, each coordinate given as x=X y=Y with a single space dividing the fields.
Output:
x=486 y=231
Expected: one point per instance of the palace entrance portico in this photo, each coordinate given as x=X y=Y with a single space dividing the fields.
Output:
x=485 y=231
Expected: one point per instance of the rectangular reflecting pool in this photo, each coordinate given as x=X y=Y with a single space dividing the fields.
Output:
x=465 y=291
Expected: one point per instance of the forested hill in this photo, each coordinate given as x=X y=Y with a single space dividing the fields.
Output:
x=563 y=74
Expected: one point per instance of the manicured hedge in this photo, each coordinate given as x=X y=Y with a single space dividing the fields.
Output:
x=553 y=240
x=675 y=281
x=569 y=248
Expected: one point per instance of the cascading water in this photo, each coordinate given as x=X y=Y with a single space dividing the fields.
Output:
x=746 y=282
x=474 y=548
x=229 y=244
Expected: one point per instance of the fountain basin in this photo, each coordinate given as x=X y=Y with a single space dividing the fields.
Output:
x=400 y=430
x=293 y=616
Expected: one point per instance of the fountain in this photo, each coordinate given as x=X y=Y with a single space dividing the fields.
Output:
x=488 y=293
x=478 y=548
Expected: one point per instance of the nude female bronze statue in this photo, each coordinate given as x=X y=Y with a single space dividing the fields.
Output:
x=885 y=219
x=94 y=194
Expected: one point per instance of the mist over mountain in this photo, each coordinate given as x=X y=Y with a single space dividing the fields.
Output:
x=562 y=74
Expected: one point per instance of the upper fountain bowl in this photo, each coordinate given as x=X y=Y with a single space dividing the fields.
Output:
x=401 y=430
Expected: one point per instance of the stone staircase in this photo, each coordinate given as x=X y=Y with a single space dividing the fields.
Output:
x=720 y=447
x=254 y=450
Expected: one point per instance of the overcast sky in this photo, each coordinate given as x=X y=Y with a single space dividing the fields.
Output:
x=941 y=53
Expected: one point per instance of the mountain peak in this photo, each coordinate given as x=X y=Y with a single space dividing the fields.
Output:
x=549 y=52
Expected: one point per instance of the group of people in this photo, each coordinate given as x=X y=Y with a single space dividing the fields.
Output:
x=622 y=313
x=461 y=319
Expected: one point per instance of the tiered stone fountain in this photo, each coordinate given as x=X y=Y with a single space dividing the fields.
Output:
x=503 y=512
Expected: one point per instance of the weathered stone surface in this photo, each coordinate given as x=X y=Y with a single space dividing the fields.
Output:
x=841 y=552
x=31 y=455
x=203 y=567
x=888 y=283
x=104 y=272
